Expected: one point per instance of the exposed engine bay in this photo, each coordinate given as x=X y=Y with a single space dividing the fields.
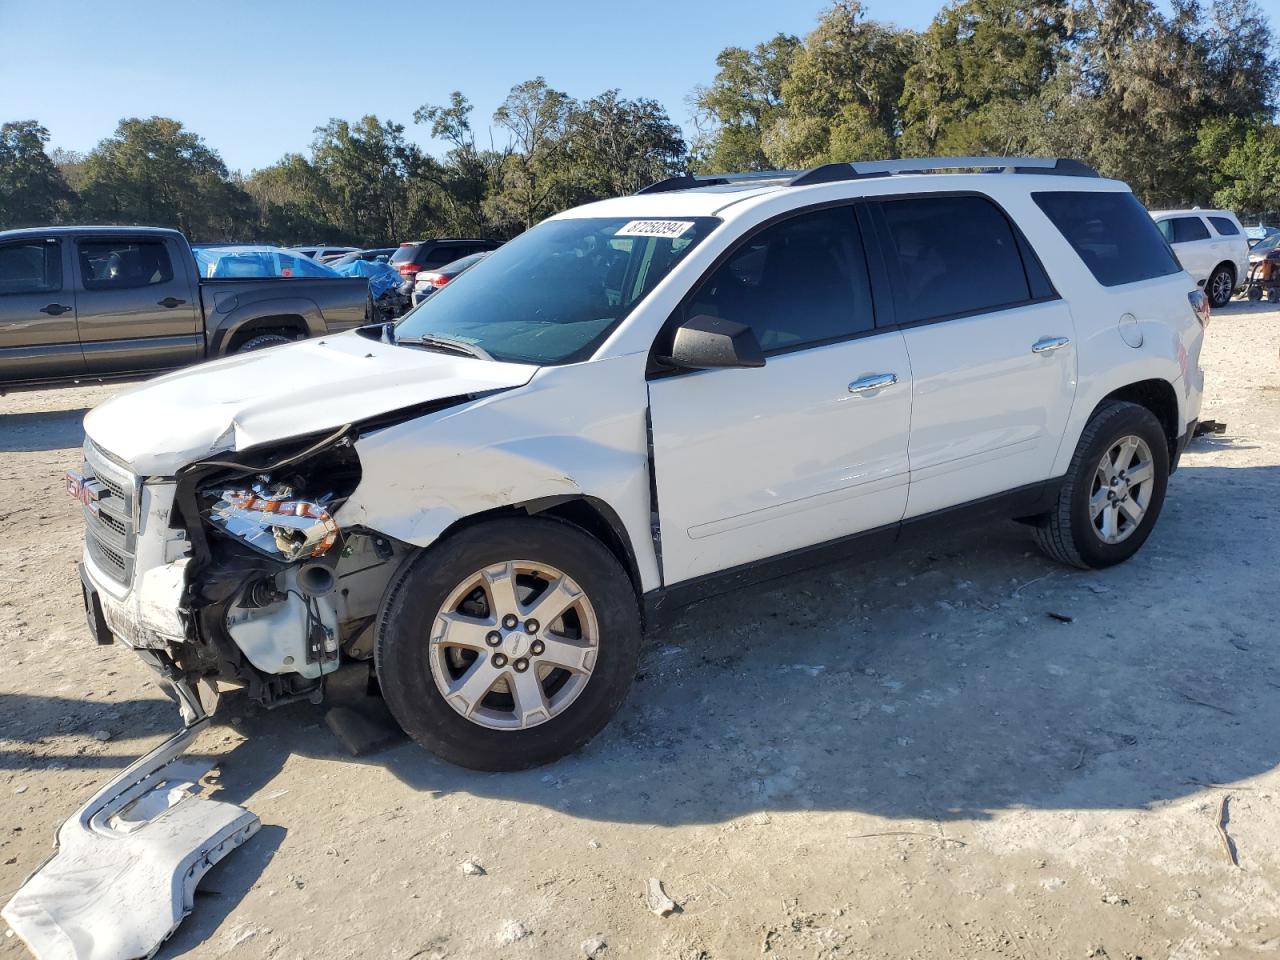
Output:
x=277 y=592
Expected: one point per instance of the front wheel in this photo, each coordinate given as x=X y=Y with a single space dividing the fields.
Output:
x=508 y=645
x=1113 y=490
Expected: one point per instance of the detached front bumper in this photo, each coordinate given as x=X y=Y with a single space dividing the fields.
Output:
x=127 y=864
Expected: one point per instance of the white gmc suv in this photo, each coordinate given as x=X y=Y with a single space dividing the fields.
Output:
x=635 y=403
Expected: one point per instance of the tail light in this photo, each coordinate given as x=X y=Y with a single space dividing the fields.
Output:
x=408 y=270
x=436 y=280
x=1200 y=304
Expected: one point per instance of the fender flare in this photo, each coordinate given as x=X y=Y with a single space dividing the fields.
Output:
x=241 y=317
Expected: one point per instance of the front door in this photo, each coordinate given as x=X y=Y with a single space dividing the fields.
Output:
x=993 y=361
x=811 y=447
x=139 y=310
x=38 y=339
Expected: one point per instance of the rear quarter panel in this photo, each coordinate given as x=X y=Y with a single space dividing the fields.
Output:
x=1154 y=314
x=324 y=305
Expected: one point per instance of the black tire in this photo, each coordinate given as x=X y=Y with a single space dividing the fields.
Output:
x=401 y=654
x=261 y=341
x=1221 y=285
x=1254 y=292
x=1067 y=532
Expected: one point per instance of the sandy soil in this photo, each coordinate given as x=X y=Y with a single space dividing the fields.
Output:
x=904 y=759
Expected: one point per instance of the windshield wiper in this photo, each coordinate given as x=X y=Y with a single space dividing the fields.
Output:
x=447 y=344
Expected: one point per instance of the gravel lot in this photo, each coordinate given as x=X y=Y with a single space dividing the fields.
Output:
x=902 y=759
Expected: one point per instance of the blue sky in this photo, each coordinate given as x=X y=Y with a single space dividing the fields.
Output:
x=255 y=79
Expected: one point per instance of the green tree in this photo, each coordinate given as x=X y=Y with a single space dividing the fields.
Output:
x=614 y=146
x=365 y=167
x=32 y=190
x=450 y=194
x=978 y=66
x=1251 y=175
x=535 y=116
x=840 y=97
x=743 y=101
x=156 y=173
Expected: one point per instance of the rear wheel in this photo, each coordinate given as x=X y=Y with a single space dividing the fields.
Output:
x=509 y=645
x=1113 y=490
x=270 y=338
x=1222 y=283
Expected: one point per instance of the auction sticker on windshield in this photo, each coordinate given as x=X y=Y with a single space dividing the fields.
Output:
x=654 y=228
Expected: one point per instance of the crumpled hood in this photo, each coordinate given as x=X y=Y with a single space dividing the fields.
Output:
x=281 y=392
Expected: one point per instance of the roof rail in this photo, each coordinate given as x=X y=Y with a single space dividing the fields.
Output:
x=687 y=181
x=832 y=172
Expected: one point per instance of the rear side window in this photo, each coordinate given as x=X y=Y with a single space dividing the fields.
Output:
x=1187 y=229
x=1224 y=227
x=1112 y=234
x=951 y=256
x=33 y=266
x=124 y=264
x=798 y=283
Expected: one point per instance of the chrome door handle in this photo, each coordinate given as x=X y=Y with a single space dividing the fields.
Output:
x=875 y=381
x=1049 y=344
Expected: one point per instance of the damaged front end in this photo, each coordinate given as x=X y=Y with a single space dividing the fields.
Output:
x=231 y=574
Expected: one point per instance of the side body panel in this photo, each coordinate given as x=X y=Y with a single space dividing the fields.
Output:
x=755 y=462
x=575 y=430
x=987 y=413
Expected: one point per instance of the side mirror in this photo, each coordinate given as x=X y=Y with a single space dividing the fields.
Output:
x=704 y=341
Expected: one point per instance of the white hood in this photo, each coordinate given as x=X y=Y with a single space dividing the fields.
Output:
x=277 y=393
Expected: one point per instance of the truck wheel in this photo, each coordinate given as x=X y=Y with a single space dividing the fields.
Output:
x=1222 y=283
x=509 y=644
x=1113 y=490
x=261 y=341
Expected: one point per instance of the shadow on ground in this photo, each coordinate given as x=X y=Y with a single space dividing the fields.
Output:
x=45 y=430
x=934 y=684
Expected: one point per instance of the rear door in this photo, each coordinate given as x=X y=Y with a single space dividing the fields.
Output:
x=138 y=309
x=990 y=342
x=811 y=447
x=1194 y=245
x=38 y=338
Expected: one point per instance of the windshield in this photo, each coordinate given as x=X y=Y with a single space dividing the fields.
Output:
x=554 y=293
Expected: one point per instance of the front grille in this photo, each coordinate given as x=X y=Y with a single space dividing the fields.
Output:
x=110 y=521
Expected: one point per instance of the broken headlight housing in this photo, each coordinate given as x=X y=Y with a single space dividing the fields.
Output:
x=272 y=520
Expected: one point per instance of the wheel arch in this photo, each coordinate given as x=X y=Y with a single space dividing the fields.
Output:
x=1156 y=395
x=589 y=514
x=296 y=314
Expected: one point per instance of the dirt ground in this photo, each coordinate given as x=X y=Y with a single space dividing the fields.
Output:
x=902 y=759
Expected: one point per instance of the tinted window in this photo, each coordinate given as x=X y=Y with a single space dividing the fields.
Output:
x=952 y=255
x=799 y=282
x=404 y=253
x=1187 y=229
x=1112 y=233
x=34 y=266
x=123 y=264
x=555 y=292
x=1224 y=227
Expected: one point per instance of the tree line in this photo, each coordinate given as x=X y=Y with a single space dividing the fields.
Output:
x=1182 y=105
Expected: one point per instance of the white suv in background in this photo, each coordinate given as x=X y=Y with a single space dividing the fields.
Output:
x=1211 y=246
x=637 y=403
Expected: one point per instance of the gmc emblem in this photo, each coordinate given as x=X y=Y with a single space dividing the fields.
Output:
x=87 y=491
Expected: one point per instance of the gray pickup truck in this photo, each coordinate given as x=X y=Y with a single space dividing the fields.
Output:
x=100 y=303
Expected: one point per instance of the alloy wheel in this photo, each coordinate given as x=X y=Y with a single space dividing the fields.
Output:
x=1122 y=487
x=514 y=645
